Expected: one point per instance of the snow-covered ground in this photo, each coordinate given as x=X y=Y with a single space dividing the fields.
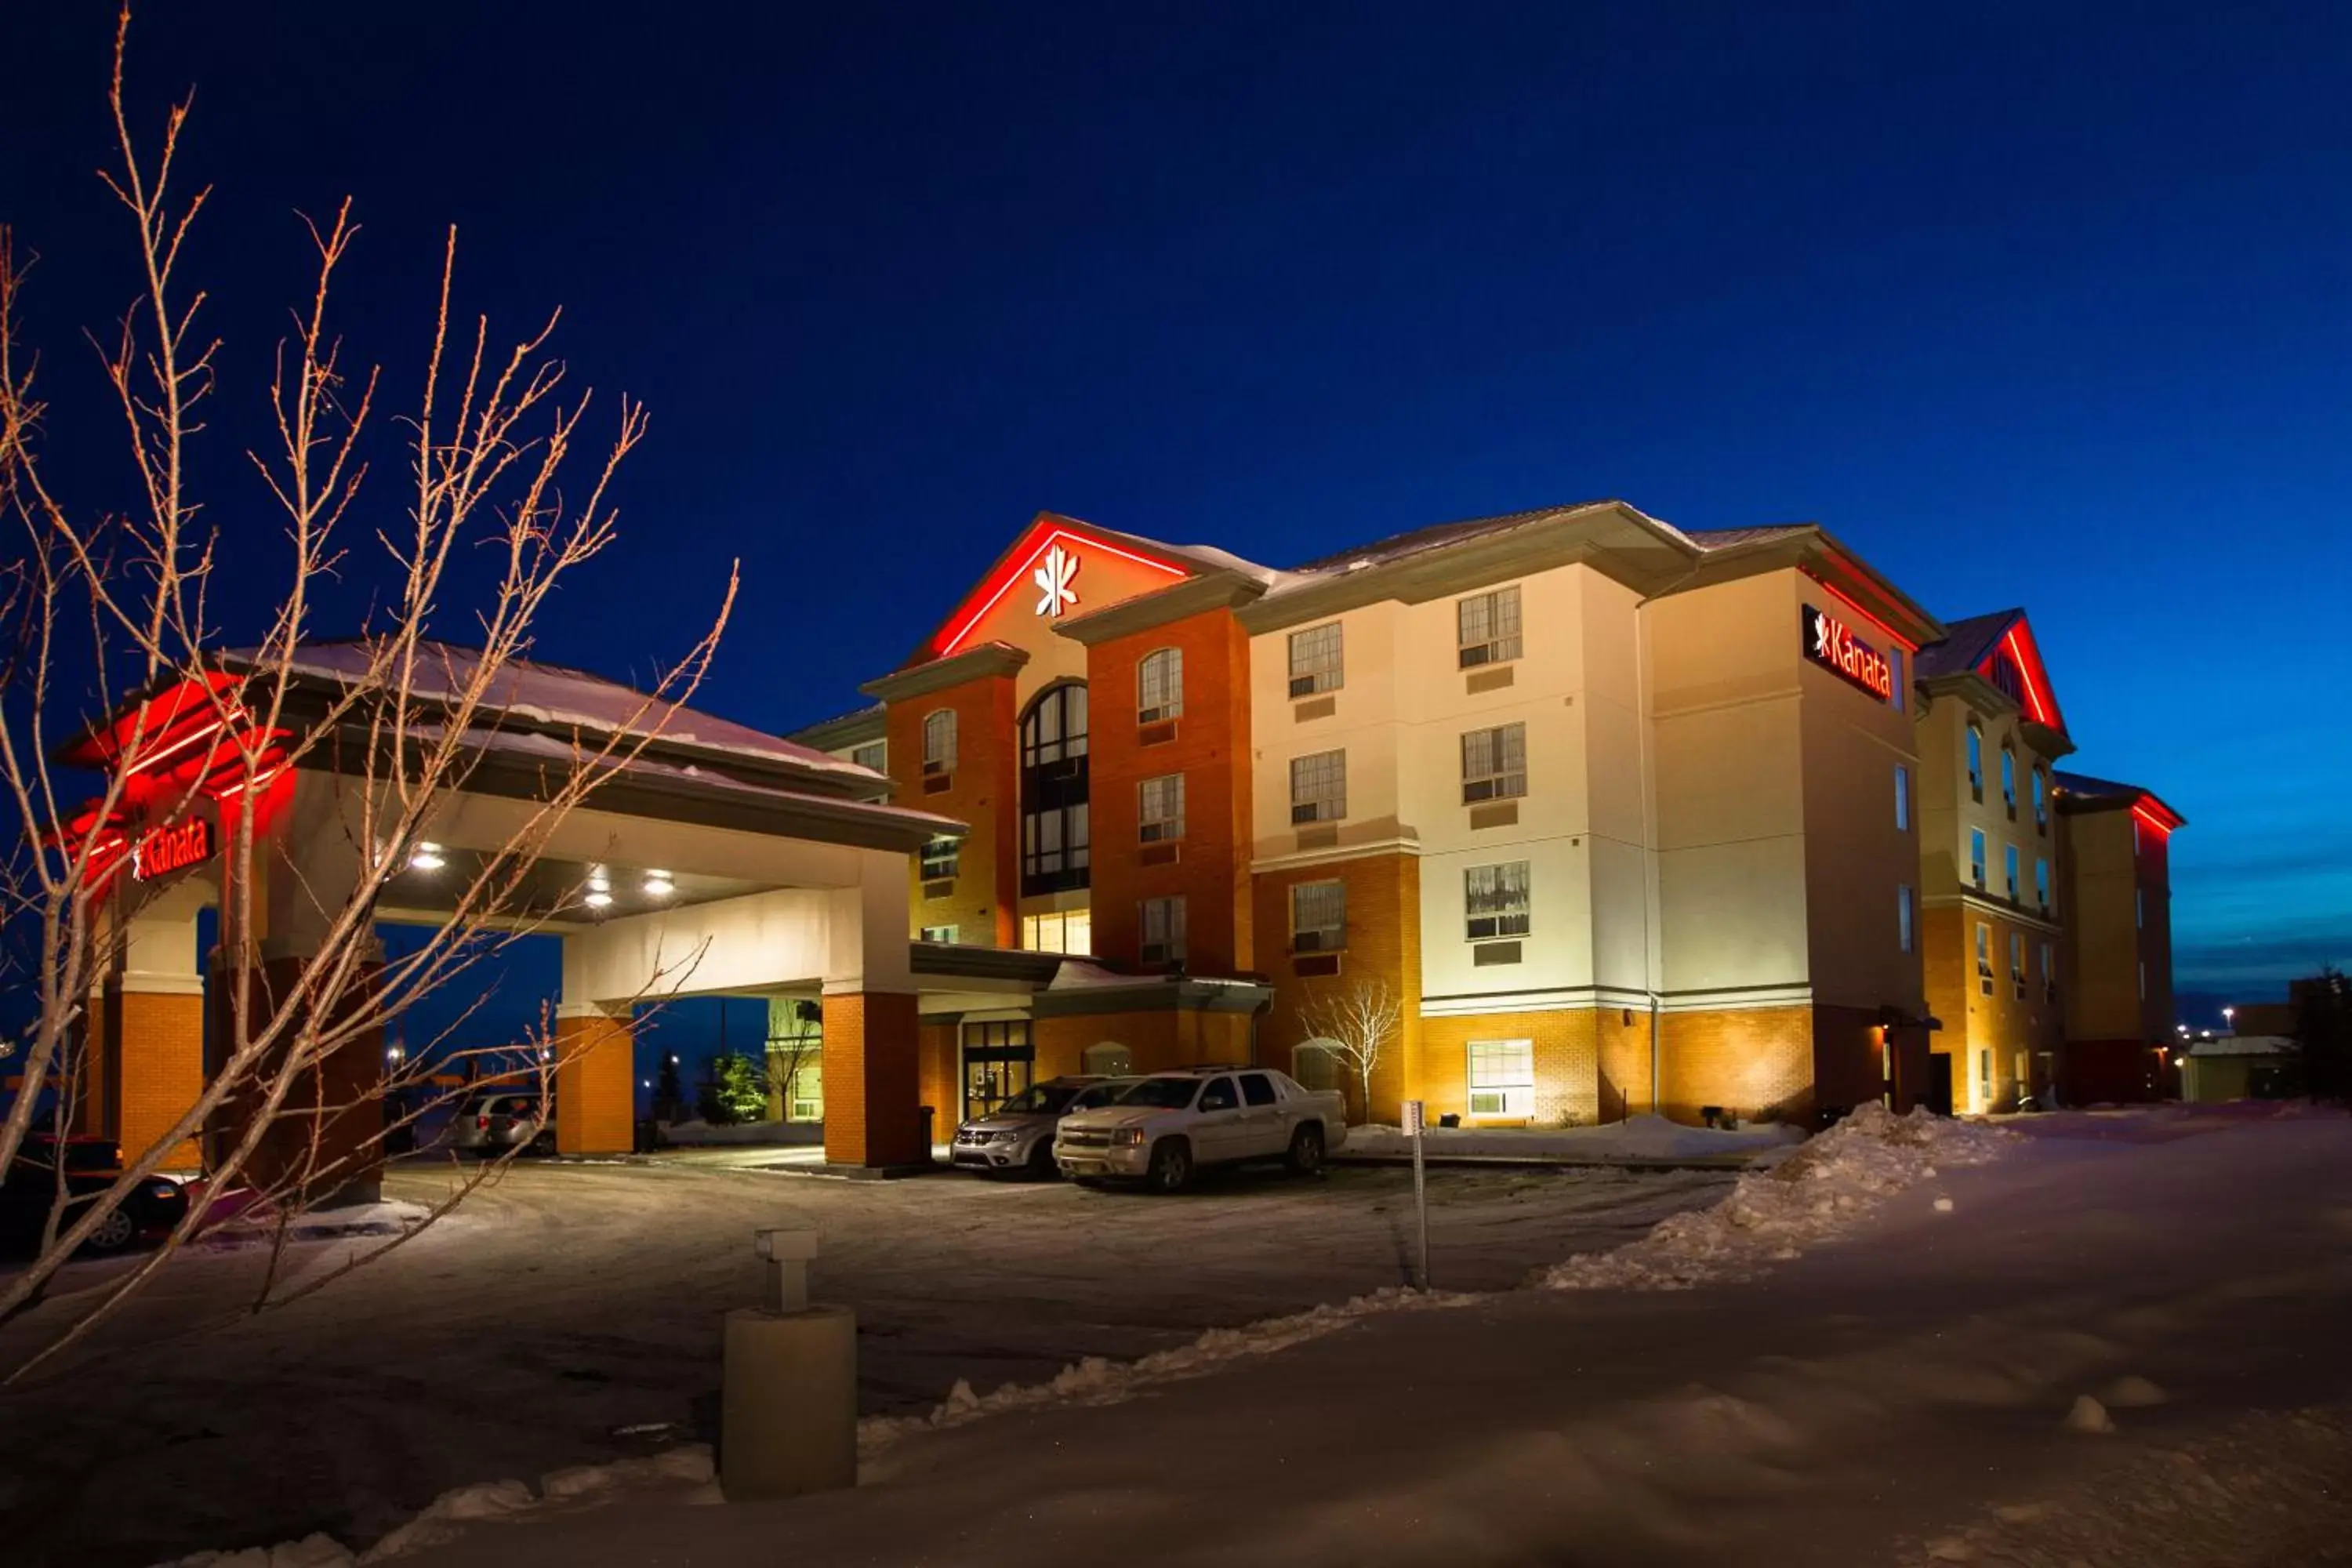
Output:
x=2091 y=1340
x=568 y=1315
x=1639 y=1138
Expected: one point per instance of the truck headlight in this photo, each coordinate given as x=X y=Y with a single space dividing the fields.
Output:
x=1126 y=1138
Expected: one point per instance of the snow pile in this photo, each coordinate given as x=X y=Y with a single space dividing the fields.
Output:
x=1819 y=1193
x=1099 y=1381
x=698 y=1133
x=1637 y=1138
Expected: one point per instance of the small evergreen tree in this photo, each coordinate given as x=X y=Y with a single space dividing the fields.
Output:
x=733 y=1090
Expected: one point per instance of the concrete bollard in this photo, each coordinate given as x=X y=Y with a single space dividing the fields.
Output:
x=788 y=1403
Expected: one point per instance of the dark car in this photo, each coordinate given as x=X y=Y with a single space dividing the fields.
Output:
x=149 y=1211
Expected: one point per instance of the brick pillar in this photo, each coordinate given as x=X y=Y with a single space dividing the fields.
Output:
x=595 y=1081
x=872 y=1115
x=325 y=1141
x=148 y=1070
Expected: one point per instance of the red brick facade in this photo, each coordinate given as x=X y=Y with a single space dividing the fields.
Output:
x=1383 y=943
x=872 y=1080
x=596 y=1084
x=983 y=901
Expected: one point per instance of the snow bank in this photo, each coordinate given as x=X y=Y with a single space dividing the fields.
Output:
x=697 y=1135
x=1638 y=1138
x=1099 y=1381
x=1819 y=1193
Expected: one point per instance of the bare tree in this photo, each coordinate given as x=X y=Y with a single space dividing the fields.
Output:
x=1356 y=1022
x=103 y=612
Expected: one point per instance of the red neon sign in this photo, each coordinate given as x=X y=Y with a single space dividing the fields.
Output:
x=1016 y=570
x=1830 y=644
x=164 y=851
x=2040 y=706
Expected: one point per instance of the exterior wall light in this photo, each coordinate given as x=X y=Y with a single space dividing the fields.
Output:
x=598 y=898
x=426 y=857
x=658 y=885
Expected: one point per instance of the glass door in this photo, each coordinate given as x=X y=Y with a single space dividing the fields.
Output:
x=998 y=1063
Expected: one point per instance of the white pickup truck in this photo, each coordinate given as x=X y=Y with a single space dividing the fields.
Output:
x=1169 y=1124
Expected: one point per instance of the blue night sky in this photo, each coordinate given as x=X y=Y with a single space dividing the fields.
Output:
x=2047 y=304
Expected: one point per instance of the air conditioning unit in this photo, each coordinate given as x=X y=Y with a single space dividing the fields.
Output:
x=1154 y=715
x=1159 y=953
x=1153 y=832
x=1302 y=686
x=1305 y=811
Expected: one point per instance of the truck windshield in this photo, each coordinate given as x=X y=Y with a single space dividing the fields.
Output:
x=1163 y=1093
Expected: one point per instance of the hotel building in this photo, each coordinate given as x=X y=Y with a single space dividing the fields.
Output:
x=1623 y=817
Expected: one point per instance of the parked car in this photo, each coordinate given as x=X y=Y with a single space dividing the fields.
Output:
x=1170 y=1124
x=1019 y=1134
x=30 y=1187
x=496 y=1120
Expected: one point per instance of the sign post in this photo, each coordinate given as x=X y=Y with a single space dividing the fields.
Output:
x=1414 y=1120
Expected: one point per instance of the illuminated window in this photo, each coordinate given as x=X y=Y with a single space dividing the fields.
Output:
x=1162 y=923
x=1160 y=808
x=1902 y=798
x=1976 y=858
x=1502 y=1078
x=1069 y=932
x=1488 y=627
x=940 y=741
x=2017 y=963
x=2042 y=882
x=939 y=933
x=1056 y=830
x=1902 y=919
x=2009 y=869
x=941 y=855
x=1984 y=958
x=1315 y=661
x=875 y=754
x=1494 y=763
x=2009 y=781
x=1160 y=686
x=1318 y=917
x=1318 y=787
x=804 y=1096
x=1494 y=901
x=1976 y=762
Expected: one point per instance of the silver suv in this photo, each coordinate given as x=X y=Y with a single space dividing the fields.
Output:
x=1170 y=1124
x=496 y=1120
x=1019 y=1134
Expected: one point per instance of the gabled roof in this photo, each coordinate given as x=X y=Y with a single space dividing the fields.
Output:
x=1437 y=535
x=1999 y=647
x=2081 y=792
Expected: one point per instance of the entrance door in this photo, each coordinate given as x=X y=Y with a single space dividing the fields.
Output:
x=998 y=1063
x=1938 y=1097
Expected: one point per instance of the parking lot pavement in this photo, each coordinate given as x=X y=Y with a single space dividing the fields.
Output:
x=569 y=1314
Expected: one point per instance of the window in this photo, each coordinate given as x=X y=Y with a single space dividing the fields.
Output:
x=1976 y=858
x=940 y=741
x=875 y=754
x=2040 y=800
x=1219 y=1096
x=1894 y=669
x=1160 y=686
x=1502 y=1078
x=1902 y=919
x=1984 y=1078
x=2139 y=908
x=2049 y=972
x=1494 y=763
x=804 y=1096
x=1316 y=1064
x=2009 y=869
x=1494 y=901
x=2017 y=963
x=2042 y=882
x=1056 y=831
x=1984 y=958
x=2143 y=979
x=1107 y=1059
x=1976 y=762
x=939 y=933
x=1070 y=931
x=2009 y=781
x=1318 y=917
x=1315 y=661
x=1161 y=808
x=999 y=1062
x=1318 y=787
x=1257 y=1090
x=1902 y=798
x=2135 y=835
x=1162 y=924
x=941 y=855
x=1488 y=627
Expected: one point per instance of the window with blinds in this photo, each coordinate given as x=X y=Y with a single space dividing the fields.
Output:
x=1160 y=808
x=1318 y=787
x=1318 y=917
x=1488 y=627
x=1494 y=901
x=1160 y=686
x=1315 y=661
x=1494 y=763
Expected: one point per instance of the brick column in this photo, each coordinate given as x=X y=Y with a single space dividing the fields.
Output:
x=871 y=1112
x=325 y=1140
x=149 y=1069
x=596 y=1081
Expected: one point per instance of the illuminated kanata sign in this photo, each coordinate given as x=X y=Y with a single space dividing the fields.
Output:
x=164 y=851
x=1829 y=644
x=1052 y=578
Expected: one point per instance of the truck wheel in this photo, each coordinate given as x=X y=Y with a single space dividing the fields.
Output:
x=1172 y=1166
x=1041 y=1161
x=1306 y=1150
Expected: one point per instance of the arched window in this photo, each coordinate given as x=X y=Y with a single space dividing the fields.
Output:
x=1056 y=835
x=2009 y=780
x=1160 y=686
x=2041 y=799
x=1107 y=1059
x=940 y=741
x=1976 y=762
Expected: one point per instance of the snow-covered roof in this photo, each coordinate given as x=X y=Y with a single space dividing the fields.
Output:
x=2244 y=1046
